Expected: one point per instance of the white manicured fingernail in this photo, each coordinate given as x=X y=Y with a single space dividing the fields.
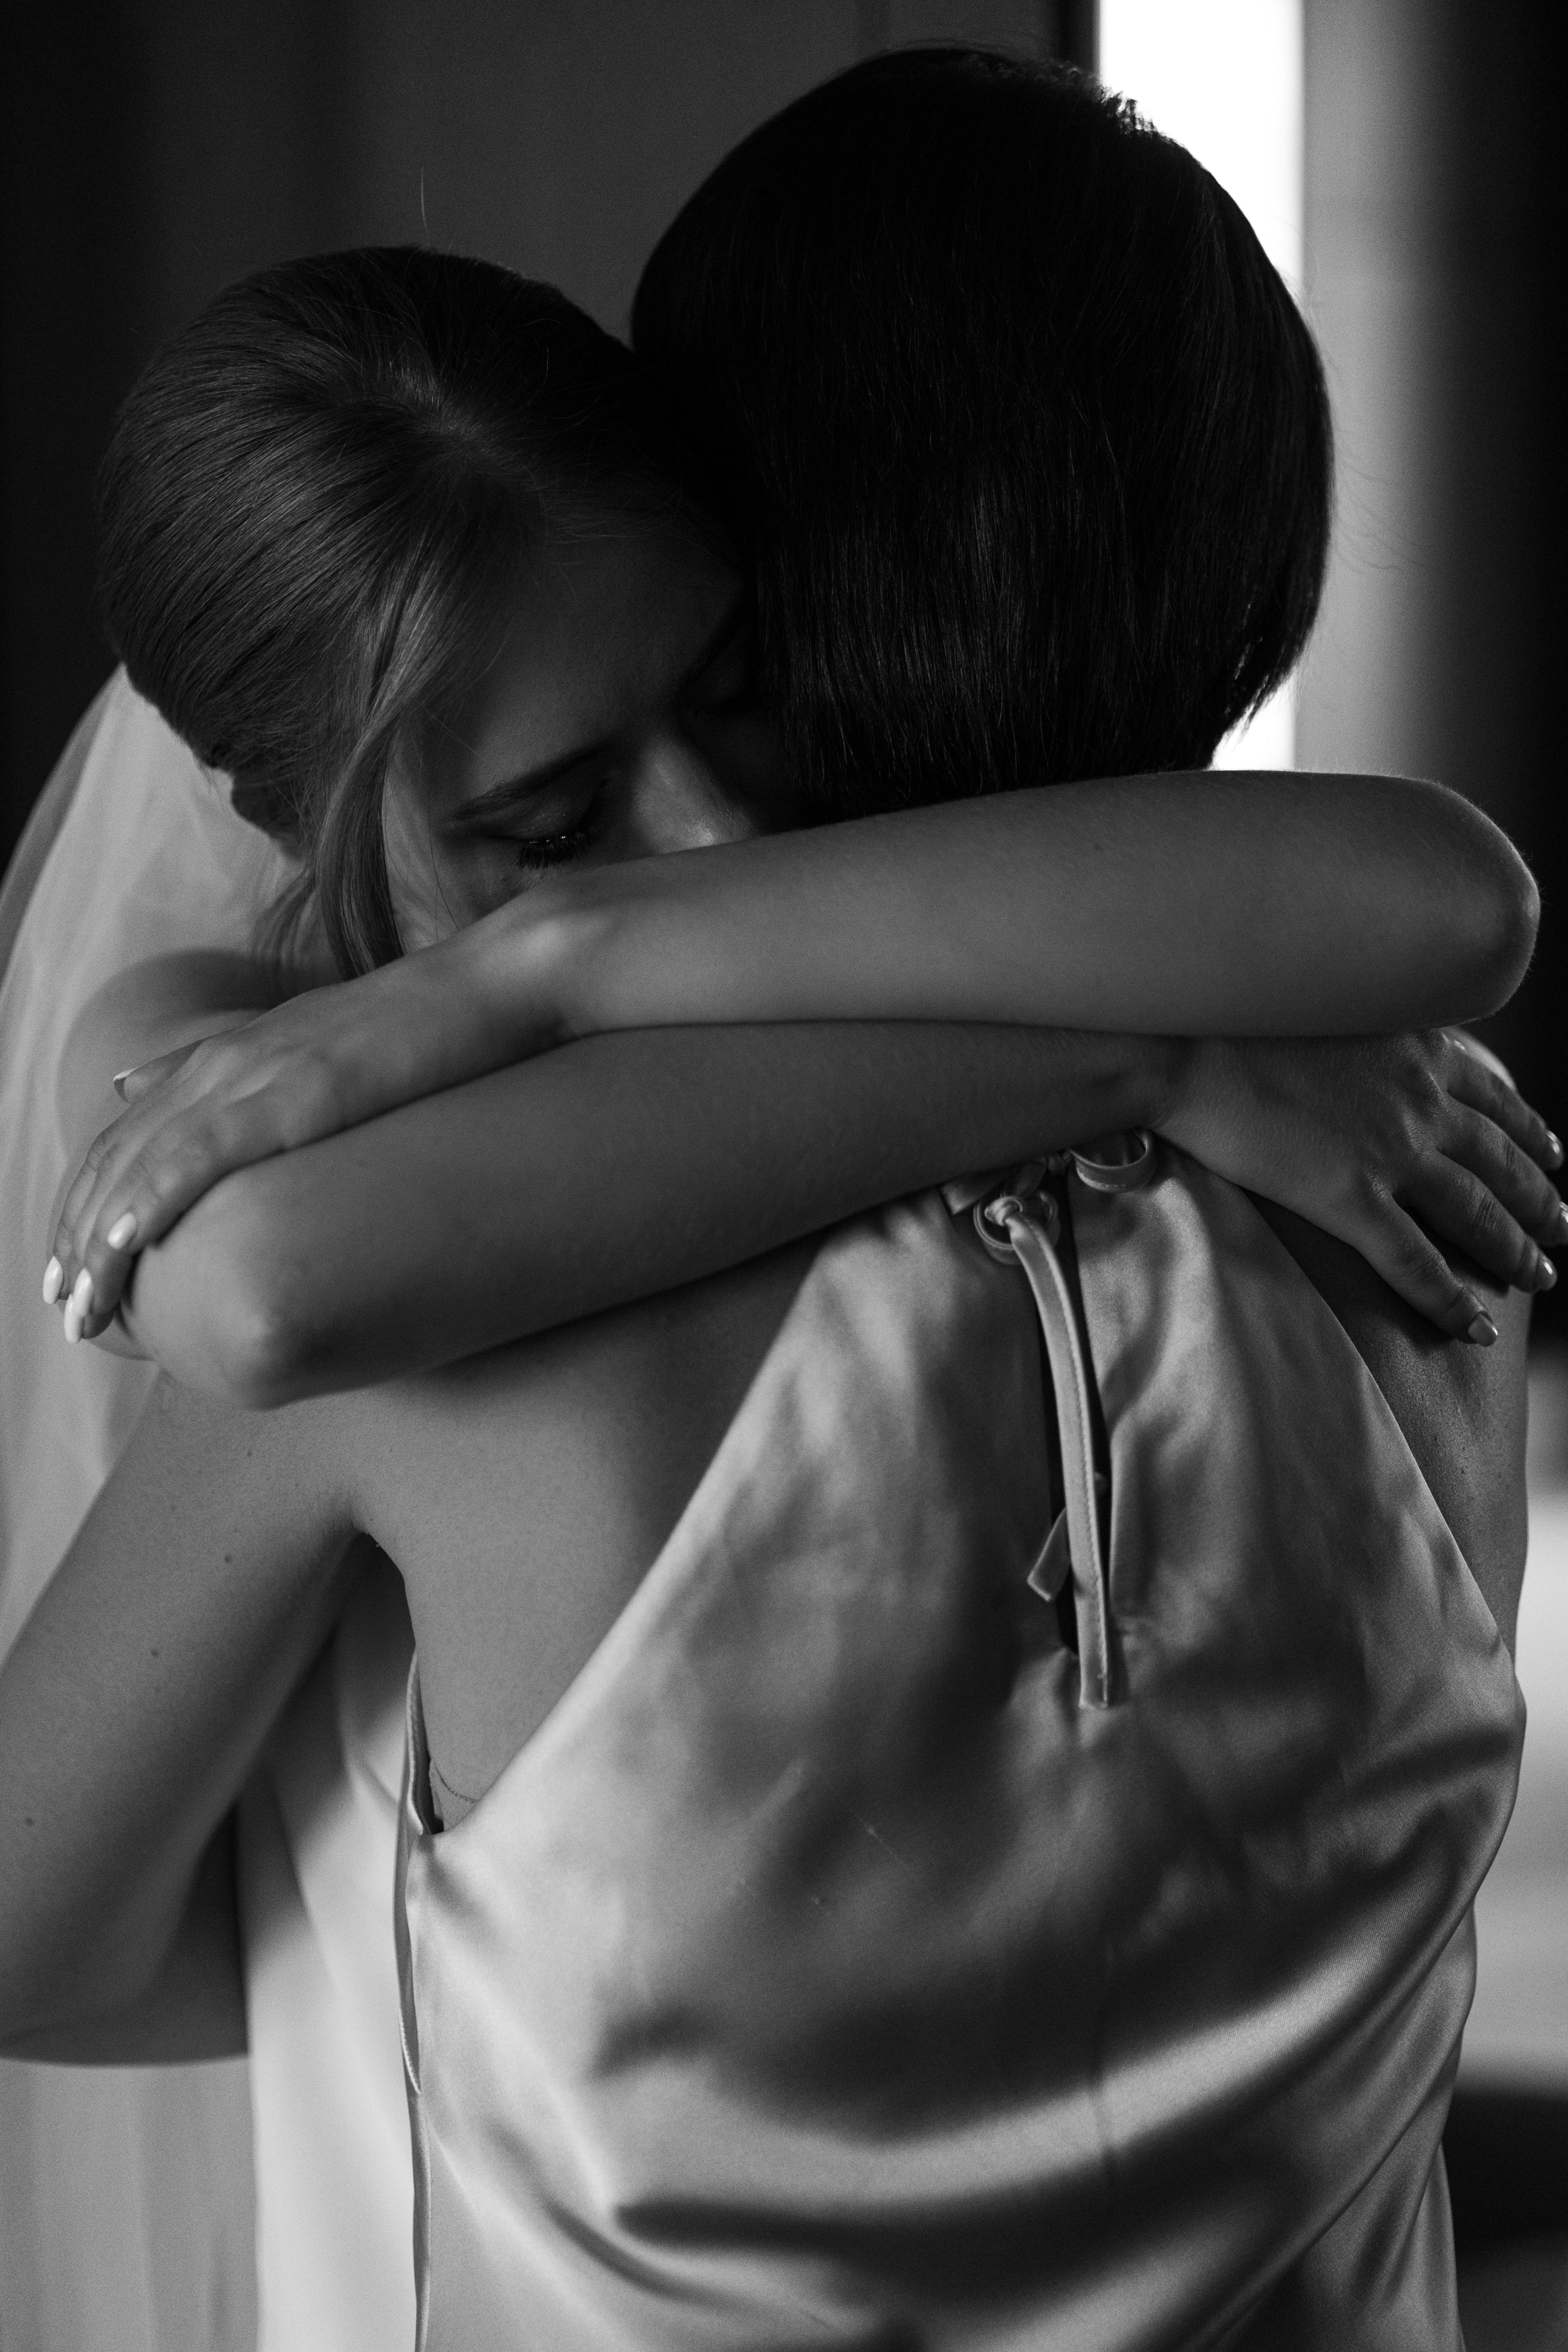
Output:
x=1482 y=1331
x=74 y=1321
x=53 y=1281
x=82 y=1294
x=122 y=1231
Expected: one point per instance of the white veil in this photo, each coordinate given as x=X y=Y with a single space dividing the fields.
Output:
x=149 y=858
x=133 y=2224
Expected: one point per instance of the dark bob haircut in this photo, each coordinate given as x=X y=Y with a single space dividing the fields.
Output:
x=315 y=503
x=1030 y=440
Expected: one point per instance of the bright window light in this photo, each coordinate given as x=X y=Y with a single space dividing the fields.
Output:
x=1224 y=76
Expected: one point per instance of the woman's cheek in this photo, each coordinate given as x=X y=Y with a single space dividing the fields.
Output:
x=421 y=904
x=474 y=885
x=436 y=892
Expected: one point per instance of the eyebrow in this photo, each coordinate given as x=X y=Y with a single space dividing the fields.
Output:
x=735 y=618
x=513 y=789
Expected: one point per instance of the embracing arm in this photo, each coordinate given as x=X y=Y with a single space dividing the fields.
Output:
x=582 y=1179
x=626 y=1165
x=1194 y=905
x=131 y=1709
x=617 y=1168
x=1094 y=899
x=1197 y=905
x=1206 y=904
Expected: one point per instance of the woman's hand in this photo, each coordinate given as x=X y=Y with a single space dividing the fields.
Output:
x=283 y=1080
x=323 y=1061
x=1395 y=1145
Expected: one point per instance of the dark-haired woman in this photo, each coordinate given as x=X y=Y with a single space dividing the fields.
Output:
x=691 y=951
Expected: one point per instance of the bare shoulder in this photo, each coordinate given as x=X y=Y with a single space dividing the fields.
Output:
x=1462 y=1408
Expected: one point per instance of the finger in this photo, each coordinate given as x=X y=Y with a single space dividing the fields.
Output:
x=76 y=1309
x=80 y=1319
x=112 y=1148
x=1472 y=1082
x=93 y=1301
x=104 y=1272
x=1410 y=1262
x=1522 y=1187
x=182 y=1159
x=108 y=1153
x=91 y=1326
x=161 y=1088
x=1462 y=1209
x=84 y=1185
x=112 y=1186
x=133 y=1084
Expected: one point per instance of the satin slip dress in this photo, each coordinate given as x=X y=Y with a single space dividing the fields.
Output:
x=856 y=1958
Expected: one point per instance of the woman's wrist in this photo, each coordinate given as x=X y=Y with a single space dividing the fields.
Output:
x=492 y=995
x=519 y=981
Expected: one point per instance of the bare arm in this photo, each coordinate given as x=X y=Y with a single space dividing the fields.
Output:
x=194 y=2005
x=614 y=1169
x=624 y=1166
x=621 y=1166
x=133 y=1706
x=1193 y=905
x=1196 y=905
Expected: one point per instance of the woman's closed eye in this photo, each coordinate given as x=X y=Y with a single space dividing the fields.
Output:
x=536 y=852
x=533 y=831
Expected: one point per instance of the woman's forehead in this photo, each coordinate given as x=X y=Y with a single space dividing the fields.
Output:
x=608 y=621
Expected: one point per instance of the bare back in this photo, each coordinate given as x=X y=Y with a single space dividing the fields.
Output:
x=525 y=1494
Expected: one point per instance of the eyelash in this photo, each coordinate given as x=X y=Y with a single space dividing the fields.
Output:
x=546 y=849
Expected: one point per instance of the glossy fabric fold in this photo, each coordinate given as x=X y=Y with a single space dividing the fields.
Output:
x=822 y=1973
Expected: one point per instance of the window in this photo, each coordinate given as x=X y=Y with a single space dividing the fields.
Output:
x=1225 y=78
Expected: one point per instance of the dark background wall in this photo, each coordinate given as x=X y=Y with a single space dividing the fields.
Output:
x=154 y=149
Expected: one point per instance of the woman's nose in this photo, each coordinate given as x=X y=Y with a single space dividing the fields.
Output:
x=680 y=802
